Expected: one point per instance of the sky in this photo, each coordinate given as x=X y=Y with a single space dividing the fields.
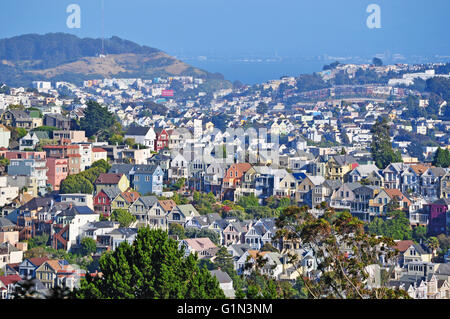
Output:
x=247 y=28
x=237 y=27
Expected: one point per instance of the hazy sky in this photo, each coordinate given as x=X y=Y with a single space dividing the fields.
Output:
x=221 y=27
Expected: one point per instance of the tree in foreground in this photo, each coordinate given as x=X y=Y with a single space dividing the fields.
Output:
x=153 y=267
x=343 y=252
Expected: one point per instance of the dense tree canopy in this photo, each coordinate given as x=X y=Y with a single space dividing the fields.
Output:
x=82 y=182
x=88 y=246
x=381 y=148
x=442 y=158
x=98 y=120
x=123 y=216
x=377 y=61
x=396 y=227
x=153 y=267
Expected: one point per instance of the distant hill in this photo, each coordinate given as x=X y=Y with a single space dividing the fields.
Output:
x=65 y=57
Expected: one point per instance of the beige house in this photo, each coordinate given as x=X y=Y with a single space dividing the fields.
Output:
x=73 y=136
x=9 y=254
x=48 y=271
x=305 y=187
x=5 y=135
x=416 y=252
x=204 y=247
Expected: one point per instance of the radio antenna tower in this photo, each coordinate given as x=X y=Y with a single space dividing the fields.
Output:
x=103 y=27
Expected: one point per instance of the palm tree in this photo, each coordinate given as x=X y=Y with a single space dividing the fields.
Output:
x=433 y=244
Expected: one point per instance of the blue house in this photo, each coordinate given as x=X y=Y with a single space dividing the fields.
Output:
x=148 y=179
x=30 y=167
x=144 y=178
x=264 y=186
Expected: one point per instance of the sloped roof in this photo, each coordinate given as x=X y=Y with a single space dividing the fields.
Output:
x=10 y=279
x=108 y=178
x=221 y=276
x=394 y=193
x=145 y=169
x=6 y=248
x=148 y=201
x=344 y=159
x=333 y=183
x=121 y=169
x=240 y=248
x=241 y=167
x=187 y=209
x=352 y=186
x=112 y=192
x=130 y=196
x=98 y=150
x=366 y=169
x=443 y=201
x=255 y=253
x=419 y=169
x=36 y=203
x=317 y=180
x=37 y=261
x=438 y=171
x=137 y=131
x=203 y=243
x=167 y=204
x=128 y=232
x=403 y=245
x=5 y=223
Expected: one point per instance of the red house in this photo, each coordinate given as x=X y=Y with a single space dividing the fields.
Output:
x=162 y=139
x=103 y=199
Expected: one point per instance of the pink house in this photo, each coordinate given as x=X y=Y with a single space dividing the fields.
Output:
x=58 y=169
x=22 y=155
x=437 y=213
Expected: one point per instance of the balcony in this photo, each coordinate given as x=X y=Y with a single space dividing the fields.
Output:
x=340 y=204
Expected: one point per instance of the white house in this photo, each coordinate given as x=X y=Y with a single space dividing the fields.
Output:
x=142 y=135
x=5 y=135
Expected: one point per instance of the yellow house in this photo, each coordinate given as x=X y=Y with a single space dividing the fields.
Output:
x=338 y=166
x=106 y=180
x=124 y=200
x=416 y=253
